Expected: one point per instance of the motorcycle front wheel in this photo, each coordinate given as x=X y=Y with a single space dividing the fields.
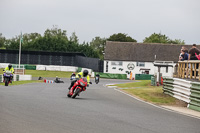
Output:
x=76 y=92
x=6 y=81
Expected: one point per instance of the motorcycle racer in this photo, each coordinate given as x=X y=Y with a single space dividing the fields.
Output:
x=9 y=68
x=80 y=75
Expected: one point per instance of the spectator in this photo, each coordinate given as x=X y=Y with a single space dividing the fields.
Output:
x=184 y=55
x=192 y=52
x=185 y=49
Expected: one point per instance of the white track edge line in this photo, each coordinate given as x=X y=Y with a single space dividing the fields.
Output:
x=158 y=106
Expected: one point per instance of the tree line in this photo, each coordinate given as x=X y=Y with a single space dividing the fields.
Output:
x=56 y=40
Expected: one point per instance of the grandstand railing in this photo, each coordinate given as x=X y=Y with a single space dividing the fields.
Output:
x=189 y=69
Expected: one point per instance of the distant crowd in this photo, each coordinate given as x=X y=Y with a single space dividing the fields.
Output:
x=192 y=54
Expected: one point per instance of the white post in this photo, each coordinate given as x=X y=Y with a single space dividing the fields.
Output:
x=20 y=49
x=158 y=74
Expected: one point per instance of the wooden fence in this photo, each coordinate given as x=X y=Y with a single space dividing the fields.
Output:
x=189 y=69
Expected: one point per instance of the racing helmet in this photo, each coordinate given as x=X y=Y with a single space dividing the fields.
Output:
x=9 y=66
x=85 y=73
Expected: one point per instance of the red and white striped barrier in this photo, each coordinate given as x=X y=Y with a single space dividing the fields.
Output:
x=48 y=81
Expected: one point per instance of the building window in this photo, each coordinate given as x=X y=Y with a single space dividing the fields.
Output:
x=166 y=69
x=140 y=64
x=116 y=63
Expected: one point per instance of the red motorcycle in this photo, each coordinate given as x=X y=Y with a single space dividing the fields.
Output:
x=78 y=87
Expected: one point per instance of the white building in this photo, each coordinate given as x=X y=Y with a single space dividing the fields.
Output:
x=123 y=57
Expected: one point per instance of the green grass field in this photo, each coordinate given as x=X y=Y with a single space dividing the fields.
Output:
x=41 y=73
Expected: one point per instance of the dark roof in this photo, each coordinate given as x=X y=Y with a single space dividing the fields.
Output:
x=129 y=51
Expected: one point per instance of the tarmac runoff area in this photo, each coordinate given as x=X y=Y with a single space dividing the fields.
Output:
x=180 y=110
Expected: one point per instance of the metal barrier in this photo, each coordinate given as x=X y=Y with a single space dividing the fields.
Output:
x=195 y=96
x=183 y=90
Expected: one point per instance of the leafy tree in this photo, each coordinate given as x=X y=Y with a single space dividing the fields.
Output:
x=121 y=38
x=29 y=41
x=159 y=38
x=98 y=45
x=2 y=40
x=13 y=43
x=177 y=41
x=73 y=38
x=88 y=50
x=156 y=38
x=54 y=40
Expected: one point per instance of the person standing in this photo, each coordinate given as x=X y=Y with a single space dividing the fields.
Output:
x=184 y=55
x=185 y=49
x=192 y=56
x=192 y=52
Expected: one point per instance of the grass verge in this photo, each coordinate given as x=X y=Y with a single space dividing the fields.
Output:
x=39 y=73
x=153 y=94
x=23 y=82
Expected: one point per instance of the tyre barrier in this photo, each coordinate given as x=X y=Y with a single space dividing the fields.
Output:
x=48 y=81
x=184 y=90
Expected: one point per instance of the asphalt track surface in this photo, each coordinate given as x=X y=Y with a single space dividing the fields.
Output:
x=45 y=108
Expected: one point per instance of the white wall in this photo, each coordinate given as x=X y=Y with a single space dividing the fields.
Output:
x=56 y=68
x=148 y=65
x=3 y=65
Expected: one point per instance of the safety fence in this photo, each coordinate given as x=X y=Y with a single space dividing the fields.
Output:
x=184 y=90
x=51 y=58
x=42 y=67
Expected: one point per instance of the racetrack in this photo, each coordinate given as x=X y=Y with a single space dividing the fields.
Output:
x=45 y=108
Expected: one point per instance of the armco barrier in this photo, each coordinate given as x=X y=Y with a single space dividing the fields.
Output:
x=112 y=76
x=183 y=90
x=30 y=67
x=56 y=68
x=26 y=66
x=195 y=96
x=168 y=86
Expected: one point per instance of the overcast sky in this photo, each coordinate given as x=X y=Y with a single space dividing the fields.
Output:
x=178 y=19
